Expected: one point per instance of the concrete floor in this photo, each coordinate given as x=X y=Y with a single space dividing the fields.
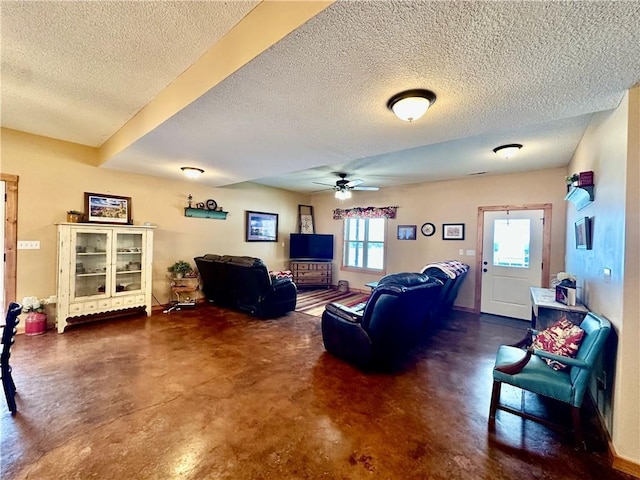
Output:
x=215 y=394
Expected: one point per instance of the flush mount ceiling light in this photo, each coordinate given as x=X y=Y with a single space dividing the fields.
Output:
x=411 y=104
x=192 y=172
x=507 y=151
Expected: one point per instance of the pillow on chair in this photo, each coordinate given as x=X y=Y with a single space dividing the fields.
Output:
x=561 y=338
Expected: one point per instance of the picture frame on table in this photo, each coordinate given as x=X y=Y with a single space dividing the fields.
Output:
x=453 y=231
x=583 y=233
x=261 y=227
x=107 y=208
x=407 y=232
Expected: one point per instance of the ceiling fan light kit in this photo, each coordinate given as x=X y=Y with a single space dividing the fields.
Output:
x=343 y=194
x=410 y=105
x=192 y=172
x=507 y=151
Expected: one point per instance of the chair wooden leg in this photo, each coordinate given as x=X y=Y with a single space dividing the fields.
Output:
x=495 y=398
x=577 y=427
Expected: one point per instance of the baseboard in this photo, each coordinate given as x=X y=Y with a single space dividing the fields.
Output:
x=623 y=464
x=617 y=462
x=463 y=309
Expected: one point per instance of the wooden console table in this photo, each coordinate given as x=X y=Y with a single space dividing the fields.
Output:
x=545 y=310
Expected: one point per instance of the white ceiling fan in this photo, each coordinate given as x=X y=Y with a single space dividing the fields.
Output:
x=343 y=186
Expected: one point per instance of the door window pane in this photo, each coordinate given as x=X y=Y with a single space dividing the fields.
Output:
x=511 y=240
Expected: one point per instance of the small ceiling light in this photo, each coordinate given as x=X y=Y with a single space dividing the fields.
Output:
x=507 y=151
x=411 y=104
x=343 y=194
x=192 y=172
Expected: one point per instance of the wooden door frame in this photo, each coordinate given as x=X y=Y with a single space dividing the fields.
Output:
x=10 y=238
x=546 y=243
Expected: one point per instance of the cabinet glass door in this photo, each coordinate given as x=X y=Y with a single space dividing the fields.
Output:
x=129 y=262
x=91 y=255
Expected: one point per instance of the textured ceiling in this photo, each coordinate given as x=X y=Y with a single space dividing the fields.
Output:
x=315 y=102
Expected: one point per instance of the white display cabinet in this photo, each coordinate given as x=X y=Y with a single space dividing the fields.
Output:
x=101 y=269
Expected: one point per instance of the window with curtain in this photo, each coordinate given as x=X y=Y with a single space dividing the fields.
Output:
x=364 y=243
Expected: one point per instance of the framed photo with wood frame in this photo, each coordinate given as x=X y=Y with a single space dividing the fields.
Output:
x=107 y=208
x=262 y=227
x=583 y=234
x=306 y=222
x=453 y=231
x=407 y=232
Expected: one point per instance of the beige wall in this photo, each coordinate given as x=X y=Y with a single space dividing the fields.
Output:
x=610 y=147
x=454 y=201
x=54 y=176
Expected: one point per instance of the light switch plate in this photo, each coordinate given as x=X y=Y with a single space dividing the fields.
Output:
x=28 y=245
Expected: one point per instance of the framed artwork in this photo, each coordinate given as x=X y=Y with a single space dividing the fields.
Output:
x=305 y=219
x=407 y=232
x=106 y=208
x=453 y=231
x=583 y=234
x=262 y=227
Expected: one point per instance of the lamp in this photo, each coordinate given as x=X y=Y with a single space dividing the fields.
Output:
x=507 y=151
x=192 y=172
x=410 y=105
x=343 y=194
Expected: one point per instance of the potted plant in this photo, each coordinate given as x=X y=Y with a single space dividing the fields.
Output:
x=36 y=321
x=180 y=269
x=571 y=180
x=74 y=216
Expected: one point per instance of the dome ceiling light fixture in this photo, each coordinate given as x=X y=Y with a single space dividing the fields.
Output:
x=192 y=172
x=343 y=194
x=410 y=105
x=507 y=151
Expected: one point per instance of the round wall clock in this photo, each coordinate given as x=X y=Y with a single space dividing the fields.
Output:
x=211 y=204
x=428 y=229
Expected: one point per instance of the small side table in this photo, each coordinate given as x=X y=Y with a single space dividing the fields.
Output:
x=185 y=292
x=546 y=311
x=371 y=285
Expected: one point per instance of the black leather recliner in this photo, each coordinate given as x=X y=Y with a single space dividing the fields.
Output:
x=245 y=283
x=452 y=274
x=394 y=318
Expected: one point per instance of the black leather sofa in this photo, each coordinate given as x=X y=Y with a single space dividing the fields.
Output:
x=394 y=318
x=452 y=274
x=244 y=283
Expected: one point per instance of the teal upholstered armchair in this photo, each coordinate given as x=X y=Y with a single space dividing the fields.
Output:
x=527 y=370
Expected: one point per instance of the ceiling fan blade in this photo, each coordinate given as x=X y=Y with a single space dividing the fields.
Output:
x=371 y=189
x=326 y=184
x=354 y=183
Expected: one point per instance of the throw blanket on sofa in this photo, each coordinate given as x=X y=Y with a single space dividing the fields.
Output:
x=452 y=268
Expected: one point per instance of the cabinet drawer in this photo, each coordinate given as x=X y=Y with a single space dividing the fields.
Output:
x=75 y=308
x=89 y=307
x=104 y=303
x=139 y=299
x=300 y=266
x=323 y=266
x=117 y=302
x=129 y=300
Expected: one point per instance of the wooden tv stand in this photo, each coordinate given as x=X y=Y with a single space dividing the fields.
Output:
x=312 y=273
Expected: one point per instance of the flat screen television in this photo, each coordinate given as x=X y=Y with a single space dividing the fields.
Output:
x=311 y=246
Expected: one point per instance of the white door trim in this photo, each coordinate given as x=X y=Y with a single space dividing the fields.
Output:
x=546 y=243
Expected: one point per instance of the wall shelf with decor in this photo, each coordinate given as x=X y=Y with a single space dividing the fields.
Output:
x=202 y=213
x=580 y=196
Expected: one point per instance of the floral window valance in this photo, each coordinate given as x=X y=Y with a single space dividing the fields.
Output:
x=365 y=212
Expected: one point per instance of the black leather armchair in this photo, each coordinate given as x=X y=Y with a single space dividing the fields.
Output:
x=452 y=274
x=392 y=321
x=245 y=283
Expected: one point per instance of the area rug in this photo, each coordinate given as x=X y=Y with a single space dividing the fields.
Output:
x=312 y=302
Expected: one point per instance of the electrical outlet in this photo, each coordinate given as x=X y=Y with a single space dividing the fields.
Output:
x=28 y=245
x=461 y=252
x=607 y=275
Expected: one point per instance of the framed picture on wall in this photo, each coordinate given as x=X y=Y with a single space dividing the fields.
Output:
x=305 y=219
x=262 y=227
x=407 y=232
x=453 y=231
x=583 y=234
x=107 y=208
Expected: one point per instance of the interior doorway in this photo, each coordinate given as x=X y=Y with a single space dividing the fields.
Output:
x=513 y=254
x=10 y=239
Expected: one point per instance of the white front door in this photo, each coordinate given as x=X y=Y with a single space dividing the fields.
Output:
x=511 y=261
